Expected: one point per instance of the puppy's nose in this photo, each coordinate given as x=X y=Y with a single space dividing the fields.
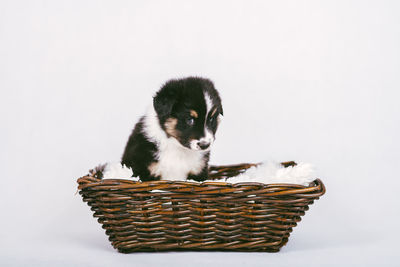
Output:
x=203 y=145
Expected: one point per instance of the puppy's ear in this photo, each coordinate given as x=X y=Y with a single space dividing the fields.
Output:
x=165 y=100
x=220 y=110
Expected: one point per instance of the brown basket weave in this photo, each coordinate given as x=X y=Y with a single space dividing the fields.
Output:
x=174 y=215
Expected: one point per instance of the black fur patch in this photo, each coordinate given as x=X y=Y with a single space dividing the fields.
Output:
x=139 y=153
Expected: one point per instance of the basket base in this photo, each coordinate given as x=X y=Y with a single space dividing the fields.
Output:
x=270 y=249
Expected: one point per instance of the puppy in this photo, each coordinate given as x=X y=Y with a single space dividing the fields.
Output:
x=173 y=140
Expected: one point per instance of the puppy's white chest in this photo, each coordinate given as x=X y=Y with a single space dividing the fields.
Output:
x=176 y=162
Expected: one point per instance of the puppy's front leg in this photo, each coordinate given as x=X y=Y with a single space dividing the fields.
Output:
x=202 y=176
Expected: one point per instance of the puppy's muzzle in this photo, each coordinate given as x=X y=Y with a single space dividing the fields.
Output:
x=203 y=145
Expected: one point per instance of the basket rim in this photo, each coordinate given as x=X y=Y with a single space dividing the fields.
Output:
x=95 y=180
x=315 y=188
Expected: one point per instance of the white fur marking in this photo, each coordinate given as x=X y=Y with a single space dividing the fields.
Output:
x=219 y=118
x=209 y=136
x=208 y=102
x=194 y=145
x=175 y=162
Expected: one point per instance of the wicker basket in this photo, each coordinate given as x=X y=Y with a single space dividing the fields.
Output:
x=172 y=215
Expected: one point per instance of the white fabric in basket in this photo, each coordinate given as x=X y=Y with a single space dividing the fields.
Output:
x=116 y=170
x=268 y=172
x=274 y=173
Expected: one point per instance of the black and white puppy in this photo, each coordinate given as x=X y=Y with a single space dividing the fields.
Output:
x=173 y=140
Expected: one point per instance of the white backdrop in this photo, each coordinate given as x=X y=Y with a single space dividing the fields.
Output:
x=312 y=81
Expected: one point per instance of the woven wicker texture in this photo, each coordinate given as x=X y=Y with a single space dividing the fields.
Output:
x=172 y=215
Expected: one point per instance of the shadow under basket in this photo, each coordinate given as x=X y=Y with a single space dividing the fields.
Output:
x=182 y=215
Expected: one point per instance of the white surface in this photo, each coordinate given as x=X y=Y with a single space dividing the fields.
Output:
x=311 y=81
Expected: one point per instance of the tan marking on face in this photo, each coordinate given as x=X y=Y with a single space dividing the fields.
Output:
x=194 y=113
x=213 y=112
x=170 y=127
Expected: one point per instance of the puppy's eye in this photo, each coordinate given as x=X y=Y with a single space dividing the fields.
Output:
x=190 y=121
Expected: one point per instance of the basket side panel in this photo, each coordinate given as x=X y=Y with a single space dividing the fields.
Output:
x=209 y=217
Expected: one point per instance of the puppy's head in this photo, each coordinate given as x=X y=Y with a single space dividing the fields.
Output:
x=189 y=110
